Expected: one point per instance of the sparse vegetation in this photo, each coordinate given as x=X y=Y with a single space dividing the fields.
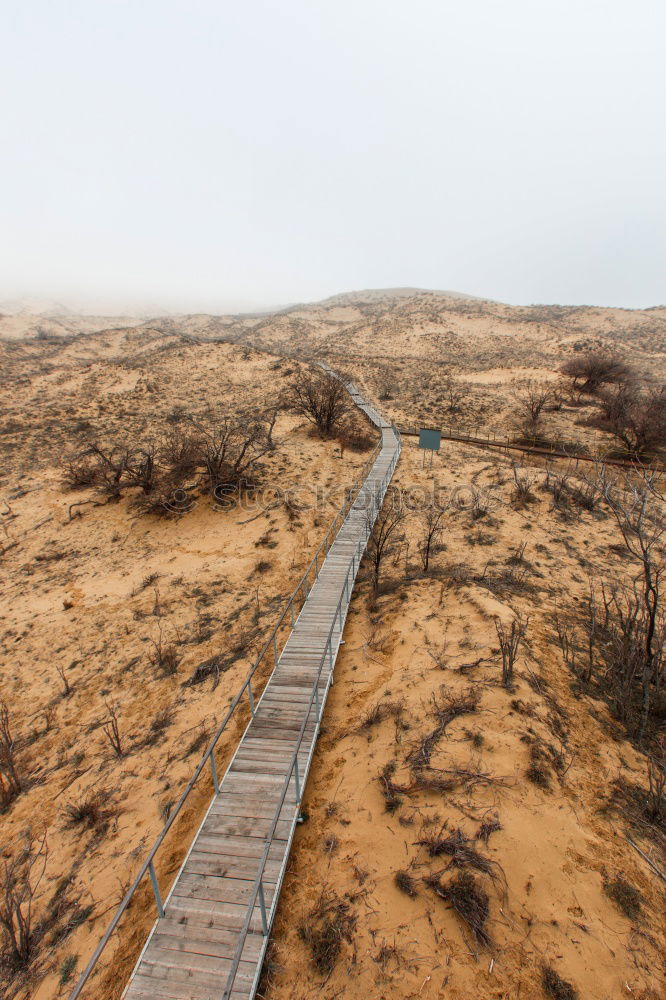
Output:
x=320 y=398
x=328 y=925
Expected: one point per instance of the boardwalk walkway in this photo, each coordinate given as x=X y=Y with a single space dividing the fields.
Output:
x=211 y=940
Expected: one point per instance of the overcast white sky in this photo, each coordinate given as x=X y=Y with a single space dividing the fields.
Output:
x=214 y=154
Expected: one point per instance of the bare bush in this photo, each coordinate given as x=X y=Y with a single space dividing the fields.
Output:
x=21 y=877
x=231 y=450
x=638 y=622
x=636 y=416
x=456 y=392
x=221 y=452
x=509 y=639
x=383 y=537
x=165 y=656
x=10 y=780
x=530 y=401
x=320 y=398
x=523 y=482
x=111 y=730
x=431 y=521
x=589 y=372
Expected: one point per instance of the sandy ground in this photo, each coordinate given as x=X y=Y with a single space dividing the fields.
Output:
x=86 y=602
x=428 y=639
x=87 y=598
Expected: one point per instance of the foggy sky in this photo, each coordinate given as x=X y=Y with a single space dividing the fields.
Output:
x=212 y=155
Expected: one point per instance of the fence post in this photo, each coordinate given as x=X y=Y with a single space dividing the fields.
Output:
x=250 y=696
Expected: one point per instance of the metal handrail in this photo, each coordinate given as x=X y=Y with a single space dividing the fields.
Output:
x=148 y=866
x=257 y=888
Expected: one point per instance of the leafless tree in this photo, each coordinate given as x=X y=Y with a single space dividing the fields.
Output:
x=656 y=774
x=636 y=416
x=455 y=391
x=431 y=520
x=21 y=877
x=590 y=371
x=383 y=536
x=231 y=449
x=641 y=617
x=320 y=398
x=530 y=400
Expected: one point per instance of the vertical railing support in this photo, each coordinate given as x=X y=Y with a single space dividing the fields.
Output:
x=250 y=696
x=262 y=907
x=213 y=768
x=156 y=889
x=297 y=780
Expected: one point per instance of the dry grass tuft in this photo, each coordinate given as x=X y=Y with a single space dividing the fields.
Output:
x=406 y=883
x=556 y=987
x=625 y=896
x=326 y=927
x=468 y=899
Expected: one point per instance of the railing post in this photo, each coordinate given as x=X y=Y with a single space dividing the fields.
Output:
x=275 y=652
x=317 y=700
x=216 y=783
x=291 y=608
x=250 y=696
x=297 y=779
x=156 y=889
x=262 y=907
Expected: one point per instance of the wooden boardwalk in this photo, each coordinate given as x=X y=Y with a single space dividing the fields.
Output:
x=210 y=943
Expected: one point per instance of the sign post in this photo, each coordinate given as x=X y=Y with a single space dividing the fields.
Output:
x=429 y=440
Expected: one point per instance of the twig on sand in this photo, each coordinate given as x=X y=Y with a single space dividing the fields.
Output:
x=651 y=863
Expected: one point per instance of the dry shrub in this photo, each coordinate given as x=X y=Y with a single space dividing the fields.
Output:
x=324 y=930
x=469 y=900
x=445 y=708
x=379 y=712
x=351 y=437
x=320 y=398
x=391 y=791
x=488 y=826
x=625 y=896
x=87 y=813
x=556 y=987
x=510 y=639
x=19 y=884
x=406 y=883
x=10 y=780
x=457 y=847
